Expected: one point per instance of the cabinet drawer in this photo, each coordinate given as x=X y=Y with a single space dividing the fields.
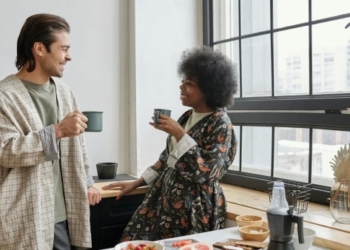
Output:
x=119 y=211
x=110 y=236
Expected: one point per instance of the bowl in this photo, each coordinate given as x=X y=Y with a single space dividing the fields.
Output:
x=309 y=237
x=254 y=233
x=249 y=220
x=107 y=170
x=124 y=245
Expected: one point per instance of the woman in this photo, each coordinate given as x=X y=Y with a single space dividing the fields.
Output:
x=185 y=196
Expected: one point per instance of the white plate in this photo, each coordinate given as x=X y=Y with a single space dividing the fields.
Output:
x=168 y=243
x=124 y=245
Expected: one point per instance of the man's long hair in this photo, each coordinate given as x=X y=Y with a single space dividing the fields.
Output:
x=37 y=28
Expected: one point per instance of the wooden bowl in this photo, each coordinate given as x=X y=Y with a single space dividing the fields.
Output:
x=249 y=220
x=254 y=233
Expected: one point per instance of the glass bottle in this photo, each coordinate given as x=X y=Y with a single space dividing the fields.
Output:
x=340 y=201
x=278 y=196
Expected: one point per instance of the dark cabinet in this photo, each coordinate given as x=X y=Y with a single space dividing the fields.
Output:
x=109 y=219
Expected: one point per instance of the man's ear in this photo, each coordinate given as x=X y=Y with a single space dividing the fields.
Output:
x=38 y=49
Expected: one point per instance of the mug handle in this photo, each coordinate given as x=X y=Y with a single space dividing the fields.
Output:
x=156 y=117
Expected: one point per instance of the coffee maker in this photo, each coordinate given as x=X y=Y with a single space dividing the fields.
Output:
x=281 y=223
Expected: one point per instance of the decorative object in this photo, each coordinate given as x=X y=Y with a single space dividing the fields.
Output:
x=340 y=199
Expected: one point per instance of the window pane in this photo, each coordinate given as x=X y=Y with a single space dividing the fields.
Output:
x=326 y=143
x=291 y=62
x=235 y=164
x=284 y=12
x=326 y=8
x=256 y=150
x=291 y=154
x=225 y=19
x=255 y=16
x=256 y=66
x=331 y=57
x=231 y=50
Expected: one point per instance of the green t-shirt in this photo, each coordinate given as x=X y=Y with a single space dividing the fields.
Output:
x=44 y=98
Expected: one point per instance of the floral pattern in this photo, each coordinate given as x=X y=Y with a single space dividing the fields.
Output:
x=188 y=199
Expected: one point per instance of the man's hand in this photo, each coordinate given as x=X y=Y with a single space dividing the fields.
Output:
x=94 y=196
x=72 y=125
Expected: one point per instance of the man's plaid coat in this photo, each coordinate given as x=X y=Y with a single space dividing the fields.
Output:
x=26 y=177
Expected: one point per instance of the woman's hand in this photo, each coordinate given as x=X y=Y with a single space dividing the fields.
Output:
x=125 y=186
x=169 y=126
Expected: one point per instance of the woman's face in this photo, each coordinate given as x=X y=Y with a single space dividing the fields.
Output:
x=192 y=96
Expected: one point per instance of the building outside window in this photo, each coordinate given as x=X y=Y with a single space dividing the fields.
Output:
x=290 y=112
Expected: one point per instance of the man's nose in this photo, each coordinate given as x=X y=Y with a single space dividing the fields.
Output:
x=68 y=57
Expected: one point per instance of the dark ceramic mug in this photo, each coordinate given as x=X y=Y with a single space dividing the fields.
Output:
x=107 y=170
x=158 y=112
x=95 y=121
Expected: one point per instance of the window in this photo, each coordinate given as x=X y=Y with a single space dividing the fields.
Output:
x=290 y=113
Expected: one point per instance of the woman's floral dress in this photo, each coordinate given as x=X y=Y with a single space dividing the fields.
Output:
x=188 y=199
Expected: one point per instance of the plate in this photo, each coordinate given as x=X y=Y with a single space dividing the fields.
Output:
x=168 y=243
x=124 y=245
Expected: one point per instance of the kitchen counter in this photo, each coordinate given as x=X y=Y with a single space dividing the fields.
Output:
x=215 y=236
x=115 y=192
x=240 y=201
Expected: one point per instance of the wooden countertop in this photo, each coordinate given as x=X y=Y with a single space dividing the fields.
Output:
x=116 y=192
x=330 y=234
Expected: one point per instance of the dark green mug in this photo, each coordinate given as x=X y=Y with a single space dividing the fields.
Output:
x=158 y=112
x=95 y=121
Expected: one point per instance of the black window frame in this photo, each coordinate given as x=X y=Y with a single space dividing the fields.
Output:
x=331 y=104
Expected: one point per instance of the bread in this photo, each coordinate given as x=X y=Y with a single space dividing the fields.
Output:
x=246 y=245
x=255 y=244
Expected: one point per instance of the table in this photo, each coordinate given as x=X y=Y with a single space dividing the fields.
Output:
x=217 y=235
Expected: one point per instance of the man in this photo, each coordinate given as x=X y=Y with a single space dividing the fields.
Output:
x=45 y=186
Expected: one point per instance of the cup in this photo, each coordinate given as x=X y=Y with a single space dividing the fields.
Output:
x=309 y=237
x=158 y=112
x=94 y=123
x=107 y=170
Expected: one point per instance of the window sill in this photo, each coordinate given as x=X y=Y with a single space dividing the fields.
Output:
x=330 y=234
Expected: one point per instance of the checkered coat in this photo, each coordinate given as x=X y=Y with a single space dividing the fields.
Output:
x=26 y=177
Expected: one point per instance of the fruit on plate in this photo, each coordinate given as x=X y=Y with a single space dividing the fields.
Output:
x=181 y=243
x=197 y=246
x=132 y=246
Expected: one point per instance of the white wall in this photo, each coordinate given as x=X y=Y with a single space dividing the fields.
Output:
x=125 y=55
x=97 y=72
x=162 y=30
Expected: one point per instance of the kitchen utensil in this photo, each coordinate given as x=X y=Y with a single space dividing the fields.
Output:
x=107 y=170
x=309 y=237
x=281 y=223
x=158 y=112
x=95 y=121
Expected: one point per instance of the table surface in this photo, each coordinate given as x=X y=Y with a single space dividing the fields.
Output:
x=216 y=236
